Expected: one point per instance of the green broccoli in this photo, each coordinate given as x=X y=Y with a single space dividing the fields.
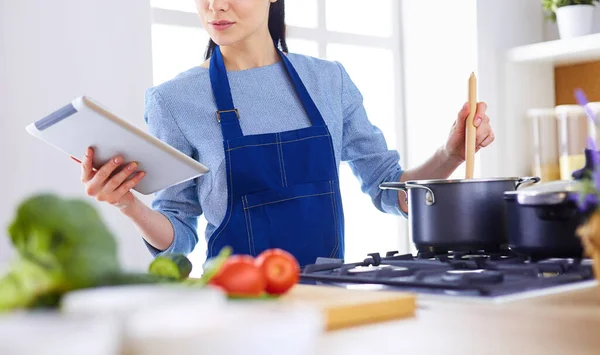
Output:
x=27 y=282
x=68 y=232
x=63 y=245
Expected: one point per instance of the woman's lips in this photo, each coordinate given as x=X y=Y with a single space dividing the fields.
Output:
x=221 y=25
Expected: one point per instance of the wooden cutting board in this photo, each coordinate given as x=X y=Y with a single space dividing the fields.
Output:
x=346 y=308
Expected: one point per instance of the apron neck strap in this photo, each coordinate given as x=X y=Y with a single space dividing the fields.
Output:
x=227 y=114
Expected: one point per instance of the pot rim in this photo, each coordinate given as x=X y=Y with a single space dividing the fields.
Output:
x=460 y=181
x=549 y=193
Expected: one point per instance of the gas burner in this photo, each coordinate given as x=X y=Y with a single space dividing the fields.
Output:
x=372 y=271
x=470 y=256
x=466 y=255
x=473 y=276
x=369 y=268
x=550 y=274
x=560 y=261
x=460 y=272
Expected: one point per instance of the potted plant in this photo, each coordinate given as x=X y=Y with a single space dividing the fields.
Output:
x=574 y=17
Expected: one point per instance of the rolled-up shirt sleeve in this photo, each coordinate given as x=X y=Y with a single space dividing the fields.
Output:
x=366 y=151
x=179 y=203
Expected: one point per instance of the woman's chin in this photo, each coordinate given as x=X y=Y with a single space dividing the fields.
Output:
x=223 y=39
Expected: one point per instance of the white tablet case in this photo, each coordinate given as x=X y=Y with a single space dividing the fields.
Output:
x=84 y=123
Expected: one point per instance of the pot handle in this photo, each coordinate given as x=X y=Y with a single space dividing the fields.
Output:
x=393 y=186
x=527 y=180
x=429 y=196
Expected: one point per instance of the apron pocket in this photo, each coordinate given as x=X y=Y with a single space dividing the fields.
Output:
x=301 y=219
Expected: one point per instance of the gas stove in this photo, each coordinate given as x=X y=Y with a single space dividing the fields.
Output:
x=481 y=276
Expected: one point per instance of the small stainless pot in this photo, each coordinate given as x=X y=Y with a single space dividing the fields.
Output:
x=542 y=220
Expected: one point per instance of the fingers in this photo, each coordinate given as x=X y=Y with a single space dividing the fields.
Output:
x=87 y=171
x=485 y=134
x=97 y=182
x=483 y=130
x=116 y=195
x=462 y=117
x=488 y=140
x=480 y=114
x=113 y=183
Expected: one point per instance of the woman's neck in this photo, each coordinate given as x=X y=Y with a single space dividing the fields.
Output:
x=255 y=51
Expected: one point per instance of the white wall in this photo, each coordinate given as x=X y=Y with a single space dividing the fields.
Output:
x=439 y=53
x=50 y=52
x=502 y=25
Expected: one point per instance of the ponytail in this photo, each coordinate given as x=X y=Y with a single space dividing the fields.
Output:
x=276 y=28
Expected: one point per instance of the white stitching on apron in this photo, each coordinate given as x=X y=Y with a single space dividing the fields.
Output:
x=230 y=197
x=289 y=199
x=294 y=140
x=337 y=237
x=251 y=229
x=280 y=147
x=247 y=228
x=279 y=160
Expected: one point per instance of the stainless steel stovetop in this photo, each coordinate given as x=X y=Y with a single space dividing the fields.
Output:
x=473 y=276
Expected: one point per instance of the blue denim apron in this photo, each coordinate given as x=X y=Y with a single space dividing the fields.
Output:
x=283 y=188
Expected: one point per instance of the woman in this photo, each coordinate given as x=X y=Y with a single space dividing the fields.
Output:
x=273 y=127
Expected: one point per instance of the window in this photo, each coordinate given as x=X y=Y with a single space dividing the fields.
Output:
x=326 y=29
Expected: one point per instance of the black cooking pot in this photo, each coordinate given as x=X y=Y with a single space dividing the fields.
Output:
x=458 y=215
x=542 y=220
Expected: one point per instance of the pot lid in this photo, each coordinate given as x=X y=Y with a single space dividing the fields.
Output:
x=458 y=181
x=546 y=193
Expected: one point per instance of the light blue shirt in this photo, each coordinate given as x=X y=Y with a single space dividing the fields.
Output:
x=181 y=112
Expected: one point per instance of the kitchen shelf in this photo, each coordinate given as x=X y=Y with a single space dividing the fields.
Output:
x=573 y=50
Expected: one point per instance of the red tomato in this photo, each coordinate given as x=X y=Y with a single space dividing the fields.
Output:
x=280 y=268
x=240 y=276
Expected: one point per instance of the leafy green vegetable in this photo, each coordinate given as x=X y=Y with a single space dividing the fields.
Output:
x=176 y=266
x=66 y=232
x=27 y=281
x=63 y=245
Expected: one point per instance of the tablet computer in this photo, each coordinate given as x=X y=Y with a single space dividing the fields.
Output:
x=85 y=123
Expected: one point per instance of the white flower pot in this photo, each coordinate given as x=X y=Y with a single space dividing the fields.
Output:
x=575 y=20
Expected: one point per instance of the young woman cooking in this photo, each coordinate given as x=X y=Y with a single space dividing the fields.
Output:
x=273 y=127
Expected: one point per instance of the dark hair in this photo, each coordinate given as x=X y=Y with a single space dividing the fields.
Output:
x=276 y=28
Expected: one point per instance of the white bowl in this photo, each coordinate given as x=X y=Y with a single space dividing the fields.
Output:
x=50 y=333
x=243 y=327
x=121 y=303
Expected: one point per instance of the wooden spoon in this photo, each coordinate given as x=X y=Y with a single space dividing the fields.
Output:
x=470 y=128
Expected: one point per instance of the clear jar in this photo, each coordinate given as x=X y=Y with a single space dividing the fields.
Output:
x=573 y=132
x=595 y=106
x=544 y=143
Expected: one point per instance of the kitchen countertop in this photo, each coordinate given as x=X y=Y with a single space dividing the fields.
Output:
x=563 y=323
